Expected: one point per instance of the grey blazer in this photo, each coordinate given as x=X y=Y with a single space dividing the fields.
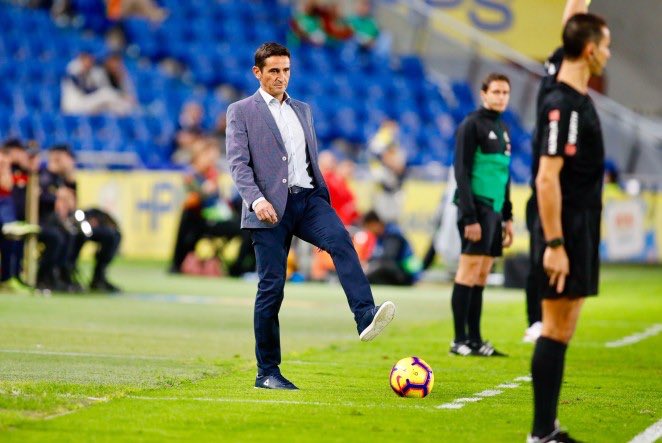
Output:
x=258 y=159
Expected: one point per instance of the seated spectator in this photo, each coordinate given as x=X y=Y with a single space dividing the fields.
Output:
x=334 y=24
x=15 y=164
x=343 y=200
x=388 y=168
x=65 y=229
x=319 y=23
x=206 y=213
x=307 y=23
x=189 y=132
x=363 y=25
x=392 y=260
x=119 y=9
x=83 y=226
x=118 y=79
x=56 y=202
x=85 y=89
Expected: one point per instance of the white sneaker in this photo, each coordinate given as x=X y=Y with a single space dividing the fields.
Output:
x=381 y=316
x=532 y=332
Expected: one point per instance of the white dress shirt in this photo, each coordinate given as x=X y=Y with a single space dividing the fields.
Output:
x=293 y=136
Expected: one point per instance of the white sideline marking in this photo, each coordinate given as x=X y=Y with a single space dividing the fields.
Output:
x=459 y=403
x=489 y=393
x=635 y=338
x=275 y=402
x=525 y=378
x=508 y=385
x=450 y=406
x=650 y=435
x=83 y=354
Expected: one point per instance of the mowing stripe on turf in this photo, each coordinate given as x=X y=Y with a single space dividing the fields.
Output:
x=83 y=354
x=276 y=402
x=650 y=435
x=459 y=403
x=635 y=338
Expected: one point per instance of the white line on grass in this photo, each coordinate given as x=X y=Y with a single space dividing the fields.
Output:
x=650 y=435
x=635 y=338
x=83 y=354
x=276 y=402
x=459 y=403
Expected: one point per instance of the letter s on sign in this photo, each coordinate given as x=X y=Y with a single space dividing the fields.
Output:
x=500 y=9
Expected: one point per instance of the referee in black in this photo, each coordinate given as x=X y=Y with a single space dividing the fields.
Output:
x=482 y=172
x=569 y=192
x=535 y=277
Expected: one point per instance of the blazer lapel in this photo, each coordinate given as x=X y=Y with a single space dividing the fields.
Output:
x=304 y=124
x=269 y=119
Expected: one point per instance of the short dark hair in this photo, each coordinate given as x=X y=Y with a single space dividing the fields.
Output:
x=493 y=77
x=371 y=217
x=267 y=50
x=63 y=147
x=13 y=143
x=579 y=30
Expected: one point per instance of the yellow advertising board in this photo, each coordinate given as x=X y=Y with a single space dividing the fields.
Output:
x=147 y=206
x=532 y=27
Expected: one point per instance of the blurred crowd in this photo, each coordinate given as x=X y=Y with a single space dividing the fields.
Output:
x=321 y=22
x=61 y=227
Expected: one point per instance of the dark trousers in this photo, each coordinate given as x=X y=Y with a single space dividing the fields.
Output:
x=54 y=258
x=108 y=239
x=11 y=254
x=388 y=272
x=309 y=216
x=188 y=233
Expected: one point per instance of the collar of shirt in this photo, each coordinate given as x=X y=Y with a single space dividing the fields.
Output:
x=270 y=98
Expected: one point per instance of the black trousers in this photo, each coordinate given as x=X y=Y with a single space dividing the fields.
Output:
x=108 y=240
x=388 y=272
x=53 y=261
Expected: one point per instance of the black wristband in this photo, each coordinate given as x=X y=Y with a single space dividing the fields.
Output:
x=555 y=242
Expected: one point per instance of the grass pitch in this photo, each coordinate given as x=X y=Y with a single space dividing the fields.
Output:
x=172 y=360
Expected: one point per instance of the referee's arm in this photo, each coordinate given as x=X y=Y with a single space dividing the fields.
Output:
x=573 y=7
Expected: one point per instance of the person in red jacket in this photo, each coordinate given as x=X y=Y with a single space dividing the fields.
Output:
x=337 y=175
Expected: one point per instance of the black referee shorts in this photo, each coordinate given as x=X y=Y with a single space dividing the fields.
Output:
x=491 y=240
x=581 y=231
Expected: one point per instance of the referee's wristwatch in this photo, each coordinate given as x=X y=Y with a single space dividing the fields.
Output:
x=555 y=242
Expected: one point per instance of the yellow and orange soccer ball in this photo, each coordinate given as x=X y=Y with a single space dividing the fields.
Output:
x=412 y=377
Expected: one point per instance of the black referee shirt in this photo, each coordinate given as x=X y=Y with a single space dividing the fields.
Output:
x=568 y=126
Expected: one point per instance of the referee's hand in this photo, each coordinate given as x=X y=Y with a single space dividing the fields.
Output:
x=472 y=232
x=556 y=264
x=266 y=212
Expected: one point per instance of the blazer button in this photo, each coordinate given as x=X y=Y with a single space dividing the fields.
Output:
x=284 y=158
x=284 y=180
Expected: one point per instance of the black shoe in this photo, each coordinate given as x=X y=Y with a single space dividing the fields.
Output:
x=484 y=349
x=460 y=348
x=103 y=285
x=558 y=436
x=276 y=381
x=375 y=320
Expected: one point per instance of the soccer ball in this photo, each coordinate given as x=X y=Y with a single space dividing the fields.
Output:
x=412 y=377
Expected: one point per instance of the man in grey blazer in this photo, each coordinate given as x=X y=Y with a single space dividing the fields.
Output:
x=272 y=152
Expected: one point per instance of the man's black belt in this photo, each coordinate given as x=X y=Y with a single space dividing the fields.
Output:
x=296 y=189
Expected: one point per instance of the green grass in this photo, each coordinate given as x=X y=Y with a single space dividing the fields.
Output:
x=172 y=360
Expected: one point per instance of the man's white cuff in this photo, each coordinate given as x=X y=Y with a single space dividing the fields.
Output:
x=254 y=204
